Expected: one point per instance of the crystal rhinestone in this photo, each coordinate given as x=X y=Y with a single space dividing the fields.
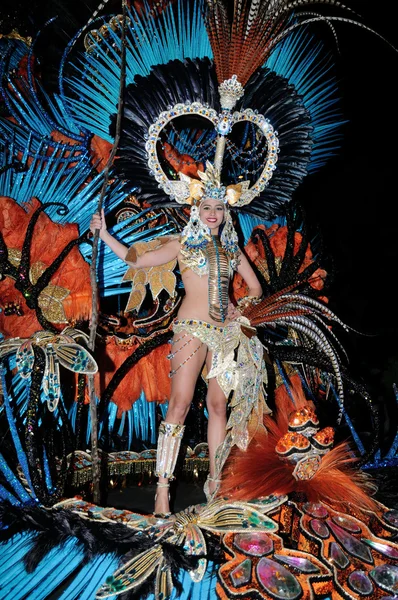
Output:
x=301 y=564
x=337 y=556
x=351 y=544
x=269 y=500
x=255 y=544
x=386 y=577
x=391 y=517
x=360 y=583
x=242 y=573
x=277 y=580
x=390 y=551
x=346 y=523
x=315 y=510
x=255 y=521
x=319 y=528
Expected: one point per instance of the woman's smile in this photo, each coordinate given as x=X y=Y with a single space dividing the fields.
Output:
x=212 y=213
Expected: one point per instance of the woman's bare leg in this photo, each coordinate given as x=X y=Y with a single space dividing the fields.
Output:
x=182 y=390
x=217 y=409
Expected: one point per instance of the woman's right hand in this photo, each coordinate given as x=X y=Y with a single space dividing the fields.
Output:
x=98 y=222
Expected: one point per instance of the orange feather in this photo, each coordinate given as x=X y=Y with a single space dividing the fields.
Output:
x=259 y=471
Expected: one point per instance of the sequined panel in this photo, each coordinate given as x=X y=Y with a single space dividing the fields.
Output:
x=386 y=577
x=238 y=366
x=242 y=573
x=255 y=544
x=278 y=581
x=315 y=510
x=351 y=544
x=359 y=582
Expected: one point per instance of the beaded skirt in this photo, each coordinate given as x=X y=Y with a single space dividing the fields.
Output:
x=238 y=365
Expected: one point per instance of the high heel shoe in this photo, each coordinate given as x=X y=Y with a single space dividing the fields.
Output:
x=210 y=495
x=162 y=515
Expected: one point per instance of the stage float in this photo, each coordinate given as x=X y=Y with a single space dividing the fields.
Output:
x=308 y=527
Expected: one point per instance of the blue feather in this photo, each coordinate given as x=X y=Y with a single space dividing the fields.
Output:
x=304 y=64
x=91 y=93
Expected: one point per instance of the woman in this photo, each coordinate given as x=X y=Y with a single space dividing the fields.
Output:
x=202 y=303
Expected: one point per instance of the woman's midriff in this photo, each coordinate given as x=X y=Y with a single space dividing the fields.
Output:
x=195 y=304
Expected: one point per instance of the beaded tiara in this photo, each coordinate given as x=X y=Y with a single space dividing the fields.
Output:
x=209 y=184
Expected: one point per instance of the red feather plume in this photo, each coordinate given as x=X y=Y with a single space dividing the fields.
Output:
x=259 y=472
x=240 y=37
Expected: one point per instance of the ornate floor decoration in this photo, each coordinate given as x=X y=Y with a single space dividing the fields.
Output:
x=274 y=548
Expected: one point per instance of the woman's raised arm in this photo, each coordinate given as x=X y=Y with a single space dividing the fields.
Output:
x=153 y=258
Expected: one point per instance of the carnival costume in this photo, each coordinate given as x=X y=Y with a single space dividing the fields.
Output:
x=217 y=258
x=238 y=365
x=178 y=143
x=209 y=255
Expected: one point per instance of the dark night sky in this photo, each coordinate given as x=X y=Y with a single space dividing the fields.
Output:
x=352 y=201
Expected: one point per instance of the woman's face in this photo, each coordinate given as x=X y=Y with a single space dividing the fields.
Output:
x=211 y=213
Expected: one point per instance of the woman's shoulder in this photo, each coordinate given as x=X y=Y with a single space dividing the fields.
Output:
x=176 y=236
x=171 y=237
x=166 y=243
x=174 y=240
x=170 y=240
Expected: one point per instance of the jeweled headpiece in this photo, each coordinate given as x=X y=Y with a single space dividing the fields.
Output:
x=188 y=189
x=230 y=91
x=187 y=105
x=210 y=186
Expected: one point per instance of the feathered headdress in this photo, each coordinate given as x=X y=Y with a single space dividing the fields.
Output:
x=223 y=105
x=226 y=113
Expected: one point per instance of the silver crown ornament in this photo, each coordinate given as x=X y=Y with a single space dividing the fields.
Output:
x=230 y=92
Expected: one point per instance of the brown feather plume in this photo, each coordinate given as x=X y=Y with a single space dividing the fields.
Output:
x=240 y=37
x=243 y=33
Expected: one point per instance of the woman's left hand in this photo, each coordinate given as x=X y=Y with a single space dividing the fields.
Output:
x=233 y=312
